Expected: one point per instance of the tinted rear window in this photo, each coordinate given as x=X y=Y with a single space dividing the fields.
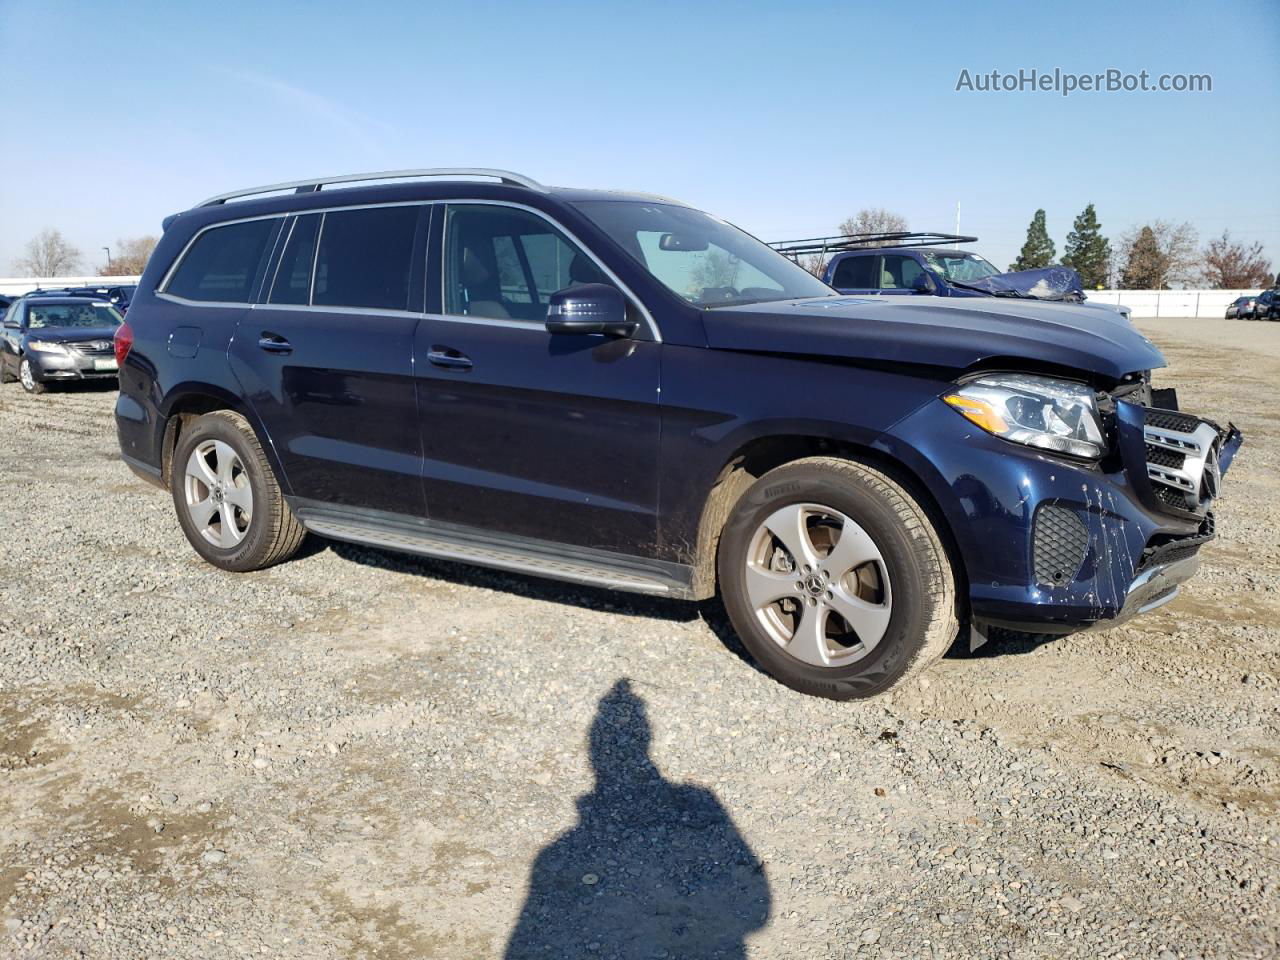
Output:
x=293 y=275
x=365 y=257
x=224 y=262
x=855 y=273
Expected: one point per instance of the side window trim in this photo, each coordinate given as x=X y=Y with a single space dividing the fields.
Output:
x=651 y=326
x=260 y=271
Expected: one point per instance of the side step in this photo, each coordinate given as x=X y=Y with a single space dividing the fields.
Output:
x=540 y=558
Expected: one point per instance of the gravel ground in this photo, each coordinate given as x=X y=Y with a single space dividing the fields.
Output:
x=359 y=754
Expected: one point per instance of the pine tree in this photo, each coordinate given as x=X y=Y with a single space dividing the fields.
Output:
x=1088 y=253
x=1147 y=265
x=1038 y=251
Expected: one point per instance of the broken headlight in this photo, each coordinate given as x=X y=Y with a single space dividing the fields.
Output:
x=1054 y=415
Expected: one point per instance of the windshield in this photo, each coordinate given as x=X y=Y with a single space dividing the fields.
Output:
x=706 y=261
x=961 y=267
x=44 y=315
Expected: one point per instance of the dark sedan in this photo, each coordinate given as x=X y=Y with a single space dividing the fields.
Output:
x=57 y=339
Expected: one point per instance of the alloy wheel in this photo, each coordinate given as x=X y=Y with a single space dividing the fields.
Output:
x=218 y=495
x=818 y=585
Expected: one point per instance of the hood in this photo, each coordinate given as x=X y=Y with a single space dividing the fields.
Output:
x=71 y=334
x=936 y=331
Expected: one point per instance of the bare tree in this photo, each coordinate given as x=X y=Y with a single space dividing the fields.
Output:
x=48 y=255
x=1230 y=265
x=1177 y=254
x=130 y=256
x=874 y=220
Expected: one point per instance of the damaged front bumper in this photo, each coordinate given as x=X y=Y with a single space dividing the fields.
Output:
x=1053 y=546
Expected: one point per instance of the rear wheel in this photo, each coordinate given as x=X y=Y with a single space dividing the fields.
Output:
x=836 y=580
x=227 y=498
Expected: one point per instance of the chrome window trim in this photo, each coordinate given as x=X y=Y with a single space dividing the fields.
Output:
x=279 y=258
x=511 y=323
x=281 y=215
x=174 y=298
x=525 y=324
x=320 y=308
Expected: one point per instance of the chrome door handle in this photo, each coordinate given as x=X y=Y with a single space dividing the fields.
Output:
x=448 y=357
x=274 y=343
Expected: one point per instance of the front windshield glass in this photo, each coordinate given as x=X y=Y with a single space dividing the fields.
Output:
x=961 y=267
x=704 y=260
x=44 y=315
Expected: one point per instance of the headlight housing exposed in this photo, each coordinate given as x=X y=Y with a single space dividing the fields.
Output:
x=45 y=346
x=1054 y=415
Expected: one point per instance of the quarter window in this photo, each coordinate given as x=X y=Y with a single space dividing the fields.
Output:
x=365 y=258
x=224 y=263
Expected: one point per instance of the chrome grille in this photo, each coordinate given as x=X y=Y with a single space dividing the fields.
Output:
x=1182 y=458
x=93 y=348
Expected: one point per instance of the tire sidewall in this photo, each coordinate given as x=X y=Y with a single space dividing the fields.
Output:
x=244 y=555
x=908 y=621
x=36 y=385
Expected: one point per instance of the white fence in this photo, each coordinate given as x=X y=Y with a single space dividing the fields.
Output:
x=1143 y=303
x=1171 y=303
x=15 y=285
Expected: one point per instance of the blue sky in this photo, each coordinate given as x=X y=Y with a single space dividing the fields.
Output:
x=783 y=118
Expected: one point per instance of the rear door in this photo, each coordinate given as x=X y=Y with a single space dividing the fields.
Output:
x=525 y=433
x=327 y=358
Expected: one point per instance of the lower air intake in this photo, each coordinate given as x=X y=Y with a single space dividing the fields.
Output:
x=1059 y=544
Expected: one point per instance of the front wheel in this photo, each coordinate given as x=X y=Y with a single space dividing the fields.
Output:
x=836 y=580
x=226 y=496
x=27 y=376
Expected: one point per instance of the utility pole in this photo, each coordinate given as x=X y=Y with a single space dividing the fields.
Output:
x=108 y=249
x=957 y=218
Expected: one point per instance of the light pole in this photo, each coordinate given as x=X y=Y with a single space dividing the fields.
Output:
x=108 y=249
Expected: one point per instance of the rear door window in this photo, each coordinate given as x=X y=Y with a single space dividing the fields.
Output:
x=293 y=275
x=225 y=263
x=365 y=258
x=855 y=273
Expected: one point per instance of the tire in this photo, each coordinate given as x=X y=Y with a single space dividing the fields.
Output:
x=27 y=377
x=899 y=590
x=231 y=510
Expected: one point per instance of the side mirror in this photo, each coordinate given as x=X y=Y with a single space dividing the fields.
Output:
x=589 y=308
x=922 y=283
x=12 y=325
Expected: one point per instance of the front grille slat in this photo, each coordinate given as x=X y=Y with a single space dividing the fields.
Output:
x=93 y=348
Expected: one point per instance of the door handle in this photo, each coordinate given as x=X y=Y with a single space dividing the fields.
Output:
x=274 y=343
x=448 y=357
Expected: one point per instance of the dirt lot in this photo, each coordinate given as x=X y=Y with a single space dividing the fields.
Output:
x=359 y=754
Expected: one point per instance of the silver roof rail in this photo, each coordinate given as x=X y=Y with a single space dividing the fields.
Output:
x=316 y=183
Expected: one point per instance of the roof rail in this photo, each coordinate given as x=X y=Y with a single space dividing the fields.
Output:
x=316 y=183
x=855 y=241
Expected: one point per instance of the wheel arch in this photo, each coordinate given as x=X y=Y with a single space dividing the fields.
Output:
x=756 y=457
x=185 y=402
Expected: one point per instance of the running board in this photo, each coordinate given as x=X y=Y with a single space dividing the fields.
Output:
x=539 y=558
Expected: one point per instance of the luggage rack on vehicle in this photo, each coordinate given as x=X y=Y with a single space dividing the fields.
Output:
x=855 y=241
x=318 y=183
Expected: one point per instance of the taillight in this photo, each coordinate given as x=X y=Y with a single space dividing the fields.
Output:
x=123 y=342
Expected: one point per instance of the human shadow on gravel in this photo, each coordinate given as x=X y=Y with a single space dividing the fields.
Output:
x=652 y=868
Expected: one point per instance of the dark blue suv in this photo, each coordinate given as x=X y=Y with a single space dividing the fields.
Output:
x=619 y=390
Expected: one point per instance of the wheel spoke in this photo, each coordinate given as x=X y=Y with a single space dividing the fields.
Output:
x=854 y=548
x=231 y=534
x=809 y=641
x=788 y=525
x=202 y=513
x=242 y=497
x=198 y=467
x=766 y=586
x=226 y=460
x=869 y=620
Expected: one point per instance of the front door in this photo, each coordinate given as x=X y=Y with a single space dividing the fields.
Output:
x=525 y=433
x=327 y=358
